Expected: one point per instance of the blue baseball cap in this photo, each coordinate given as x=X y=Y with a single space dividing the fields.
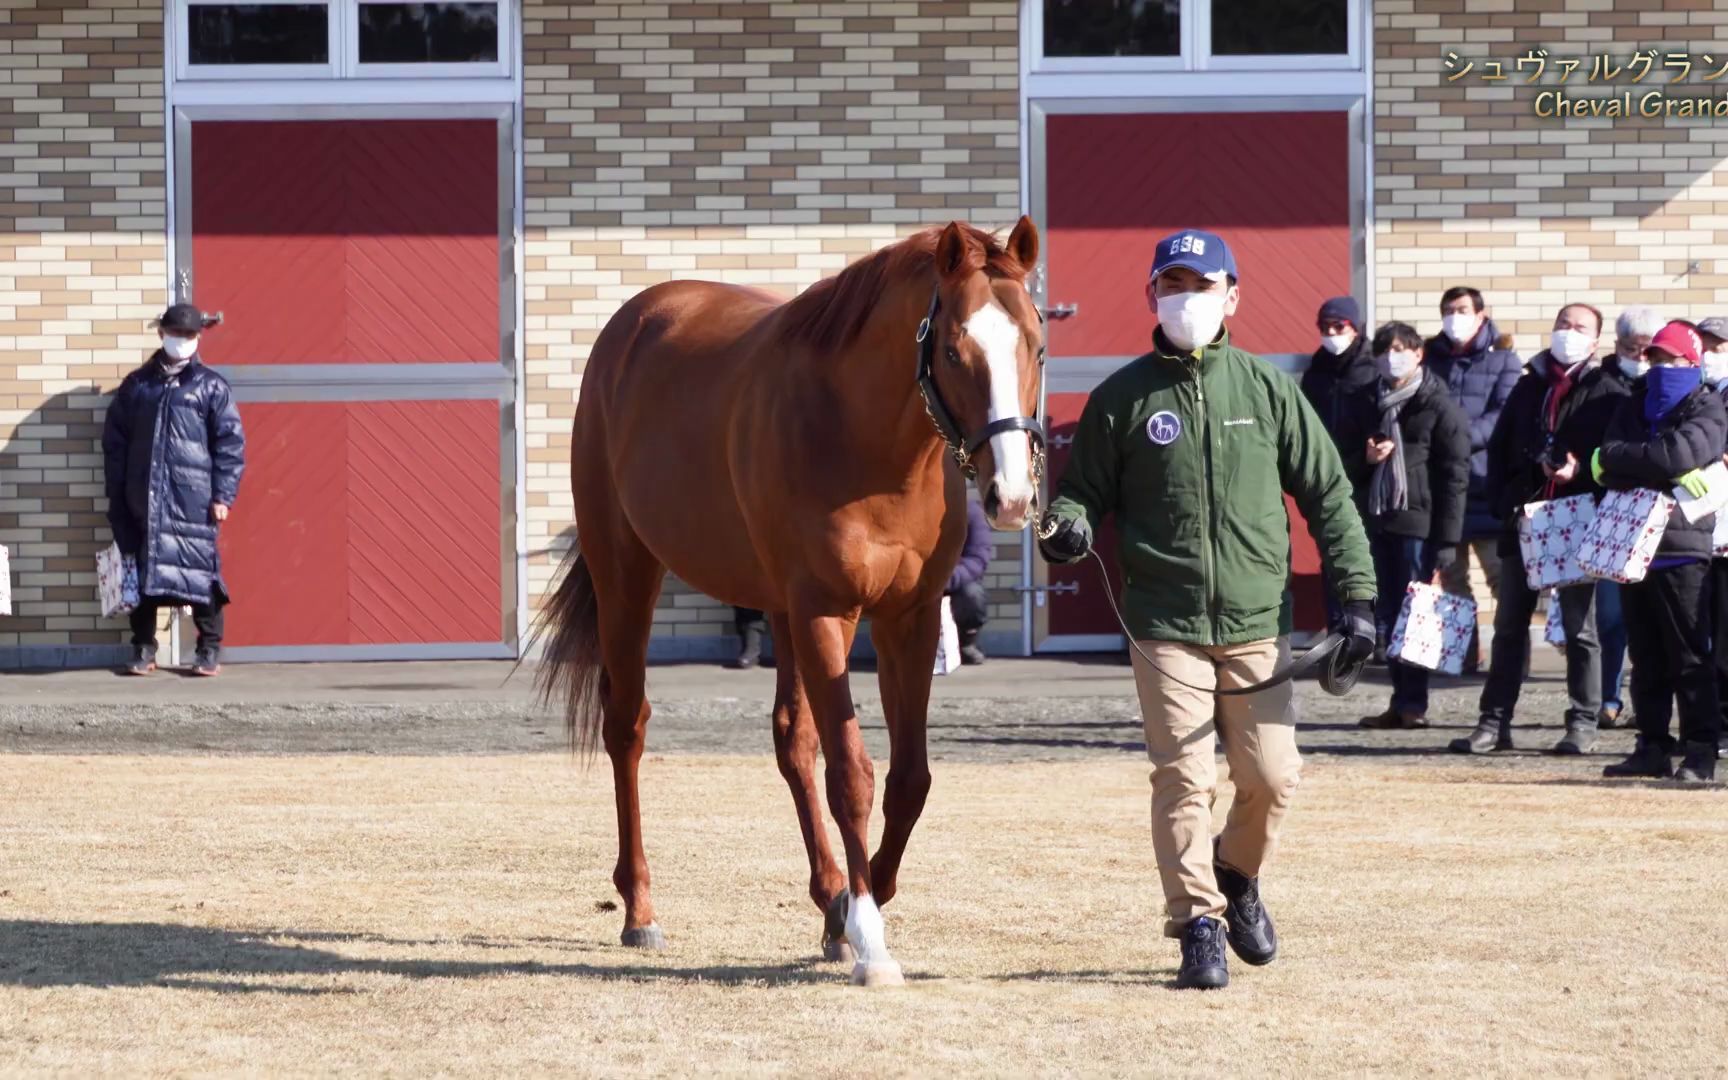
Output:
x=1202 y=252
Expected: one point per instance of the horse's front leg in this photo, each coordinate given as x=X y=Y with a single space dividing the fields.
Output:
x=821 y=644
x=905 y=656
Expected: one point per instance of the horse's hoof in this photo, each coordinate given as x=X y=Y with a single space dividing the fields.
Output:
x=837 y=950
x=643 y=937
x=882 y=973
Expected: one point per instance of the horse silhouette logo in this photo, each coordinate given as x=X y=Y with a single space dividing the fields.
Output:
x=1164 y=428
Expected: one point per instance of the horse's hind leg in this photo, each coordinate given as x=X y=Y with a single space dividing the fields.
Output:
x=627 y=591
x=795 y=746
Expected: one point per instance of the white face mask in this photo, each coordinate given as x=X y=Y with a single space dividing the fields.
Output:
x=1337 y=343
x=1397 y=366
x=1633 y=368
x=1571 y=346
x=1716 y=366
x=1191 y=319
x=180 y=348
x=1461 y=327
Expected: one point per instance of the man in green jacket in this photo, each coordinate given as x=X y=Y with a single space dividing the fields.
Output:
x=1192 y=448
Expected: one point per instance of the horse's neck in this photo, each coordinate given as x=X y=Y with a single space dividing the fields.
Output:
x=876 y=387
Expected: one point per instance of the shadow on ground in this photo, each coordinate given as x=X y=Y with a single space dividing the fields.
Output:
x=38 y=954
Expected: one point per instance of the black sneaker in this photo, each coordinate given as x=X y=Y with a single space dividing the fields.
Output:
x=1647 y=761
x=206 y=664
x=1490 y=734
x=143 y=660
x=1580 y=738
x=971 y=655
x=1203 y=965
x=1699 y=764
x=1249 y=926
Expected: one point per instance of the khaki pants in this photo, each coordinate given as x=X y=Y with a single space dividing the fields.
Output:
x=1259 y=732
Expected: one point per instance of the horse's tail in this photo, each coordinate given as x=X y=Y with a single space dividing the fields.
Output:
x=571 y=668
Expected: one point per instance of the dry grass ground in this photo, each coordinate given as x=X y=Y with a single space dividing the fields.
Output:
x=414 y=915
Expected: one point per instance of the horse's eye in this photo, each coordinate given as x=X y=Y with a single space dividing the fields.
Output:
x=953 y=355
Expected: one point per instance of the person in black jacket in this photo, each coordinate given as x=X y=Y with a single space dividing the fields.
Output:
x=752 y=629
x=1660 y=438
x=1409 y=460
x=1552 y=423
x=173 y=451
x=967 y=597
x=1477 y=364
x=1341 y=368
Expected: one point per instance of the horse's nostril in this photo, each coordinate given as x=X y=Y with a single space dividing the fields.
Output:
x=992 y=502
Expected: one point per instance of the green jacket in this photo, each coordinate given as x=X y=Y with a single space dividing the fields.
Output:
x=1193 y=456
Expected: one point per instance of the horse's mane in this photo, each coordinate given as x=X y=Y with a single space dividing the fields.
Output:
x=831 y=313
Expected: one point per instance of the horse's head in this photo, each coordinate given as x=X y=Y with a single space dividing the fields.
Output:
x=986 y=360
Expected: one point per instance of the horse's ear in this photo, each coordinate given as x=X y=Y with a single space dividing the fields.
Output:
x=957 y=252
x=1023 y=243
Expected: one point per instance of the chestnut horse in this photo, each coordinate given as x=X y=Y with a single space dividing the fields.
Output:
x=793 y=456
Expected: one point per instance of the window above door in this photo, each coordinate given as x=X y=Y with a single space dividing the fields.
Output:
x=342 y=39
x=1100 y=36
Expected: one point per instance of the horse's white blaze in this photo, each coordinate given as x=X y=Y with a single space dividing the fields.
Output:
x=997 y=335
x=865 y=931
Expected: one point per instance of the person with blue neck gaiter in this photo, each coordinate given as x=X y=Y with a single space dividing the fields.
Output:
x=1663 y=436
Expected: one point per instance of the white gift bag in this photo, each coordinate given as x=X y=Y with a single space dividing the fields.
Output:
x=1719 y=537
x=116 y=581
x=1714 y=499
x=5 y=581
x=1555 y=633
x=1549 y=534
x=1433 y=629
x=948 y=648
x=1625 y=535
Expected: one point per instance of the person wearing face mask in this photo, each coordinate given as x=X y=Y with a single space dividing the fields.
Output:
x=1192 y=447
x=1409 y=457
x=1477 y=364
x=1553 y=422
x=173 y=451
x=1632 y=333
x=1662 y=435
x=1339 y=369
x=1714 y=334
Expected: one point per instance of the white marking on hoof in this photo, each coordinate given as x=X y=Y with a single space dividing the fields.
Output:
x=887 y=974
x=868 y=938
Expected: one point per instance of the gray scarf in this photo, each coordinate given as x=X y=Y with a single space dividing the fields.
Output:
x=1389 y=490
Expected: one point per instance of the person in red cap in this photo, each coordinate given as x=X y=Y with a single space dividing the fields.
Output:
x=1663 y=436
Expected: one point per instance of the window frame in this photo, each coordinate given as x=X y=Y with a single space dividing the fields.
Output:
x=342 y=19
x=1196 y=53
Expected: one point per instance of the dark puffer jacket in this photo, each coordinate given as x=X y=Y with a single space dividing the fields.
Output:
x=1436 y=462
x=172 y=445
x=1515 y=474
x=1636 y=454
x=1481 y=379
x=975 y=556
x=1331 y=381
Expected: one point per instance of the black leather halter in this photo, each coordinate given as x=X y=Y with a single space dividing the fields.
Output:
x=958 y=444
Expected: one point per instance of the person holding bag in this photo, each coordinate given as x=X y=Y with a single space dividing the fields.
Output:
x=1662 y=436
x=1408 y=457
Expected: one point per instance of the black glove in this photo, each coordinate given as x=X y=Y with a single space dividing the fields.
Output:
x=1444 y=556
x=1357 y=626
x=1063 y=540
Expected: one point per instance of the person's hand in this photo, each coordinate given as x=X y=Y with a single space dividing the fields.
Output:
x=1357 y=625
x=1596 y=465
x=1444 y=556
x=1062 y=539
x=1693 y=482
x=219 y=511
x=1379 y=450
x=1565 y=473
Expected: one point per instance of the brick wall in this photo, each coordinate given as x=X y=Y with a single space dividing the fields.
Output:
x=82 y=268
x=761 y=143
x=1473 y=188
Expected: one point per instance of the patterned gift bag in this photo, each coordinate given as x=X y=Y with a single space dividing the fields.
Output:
x=1719 y=538
x=1433 y=629
x=948 y=646
x=1623 y=539
x=116 y=581
x=1548 y=537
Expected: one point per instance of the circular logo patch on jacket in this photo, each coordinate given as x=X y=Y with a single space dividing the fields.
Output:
x=1164 y=428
